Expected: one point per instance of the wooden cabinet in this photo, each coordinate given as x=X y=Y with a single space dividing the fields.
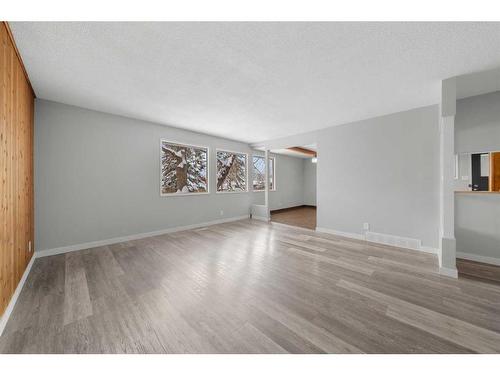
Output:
x=16 y=168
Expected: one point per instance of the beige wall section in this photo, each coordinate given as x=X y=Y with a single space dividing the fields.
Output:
x=16 y=168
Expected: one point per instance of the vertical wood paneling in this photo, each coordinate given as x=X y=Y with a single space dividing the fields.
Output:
x=16 y=168
x=495 y=171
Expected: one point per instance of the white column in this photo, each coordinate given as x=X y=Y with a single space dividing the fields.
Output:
x=447 y=255
x=266 y=191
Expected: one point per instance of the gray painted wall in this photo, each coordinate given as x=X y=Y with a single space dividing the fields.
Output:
x=477 y=224
x=383 y=171
x=289 y=184
x=97 y=177
x=477 y=216
x=309 y=182
x=464 y=172
x=477 y=123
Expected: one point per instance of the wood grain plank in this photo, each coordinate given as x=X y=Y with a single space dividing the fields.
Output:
x=336 y=262
x=304 y=328
x=77 y=303
x=237 y=288
x=16 y=169
x=455 y=330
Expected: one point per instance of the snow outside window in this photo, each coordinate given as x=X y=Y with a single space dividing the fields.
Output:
x=184 y=169
x=231 y=171
x=259 y=174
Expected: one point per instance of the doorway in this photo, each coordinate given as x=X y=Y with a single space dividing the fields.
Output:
x=294 y=201
x=304 y=216
x=480 y=171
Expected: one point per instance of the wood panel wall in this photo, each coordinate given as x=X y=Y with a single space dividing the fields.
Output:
x=495 y=171
x=16 y=167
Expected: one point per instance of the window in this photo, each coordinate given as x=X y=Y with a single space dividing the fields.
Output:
x=259 y=174
x=231 y=171
x=184 y=169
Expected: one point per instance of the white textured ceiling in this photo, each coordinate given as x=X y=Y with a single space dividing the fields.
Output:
x=251 y=81
x=478 y=83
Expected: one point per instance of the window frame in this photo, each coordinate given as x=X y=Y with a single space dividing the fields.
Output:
x=175 y=143
x=246 y=171
x=274 y=174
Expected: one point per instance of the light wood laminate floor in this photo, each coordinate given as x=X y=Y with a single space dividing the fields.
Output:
x=250 y=287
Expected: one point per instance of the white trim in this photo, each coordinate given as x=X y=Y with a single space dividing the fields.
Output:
x=362 y=237
x=247 y=185
x=232 y=192
x=274 y=174
x=355 y=236
x=389 y=239
x=110 y=241
x=479 y=258
x=450 y=272
x=428 y=249
x=207 y=148
x=275 y=185
x=10 y=307
x=182 y=194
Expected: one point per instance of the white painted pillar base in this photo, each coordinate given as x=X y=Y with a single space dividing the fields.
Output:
x=260 y=212
x=447 y=258
x=266 y=192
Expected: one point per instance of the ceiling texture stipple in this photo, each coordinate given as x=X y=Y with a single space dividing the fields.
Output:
x=251 y=81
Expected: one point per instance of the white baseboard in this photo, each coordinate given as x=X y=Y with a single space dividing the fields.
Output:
x=355 y=236
x=391 y=240
x=450 y=272
x=399 y=240
x=111 y=241
x=10 y=307
x=261 y=218
x=479 y=258
x=430 y=250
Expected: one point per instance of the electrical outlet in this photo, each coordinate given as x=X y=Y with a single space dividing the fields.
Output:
x=221 y=212
x=366 y=226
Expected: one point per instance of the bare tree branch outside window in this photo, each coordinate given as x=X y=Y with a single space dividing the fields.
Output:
x=259 y=173
x=231 y=171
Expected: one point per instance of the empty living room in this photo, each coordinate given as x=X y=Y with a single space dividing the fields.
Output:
x=226 y=185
